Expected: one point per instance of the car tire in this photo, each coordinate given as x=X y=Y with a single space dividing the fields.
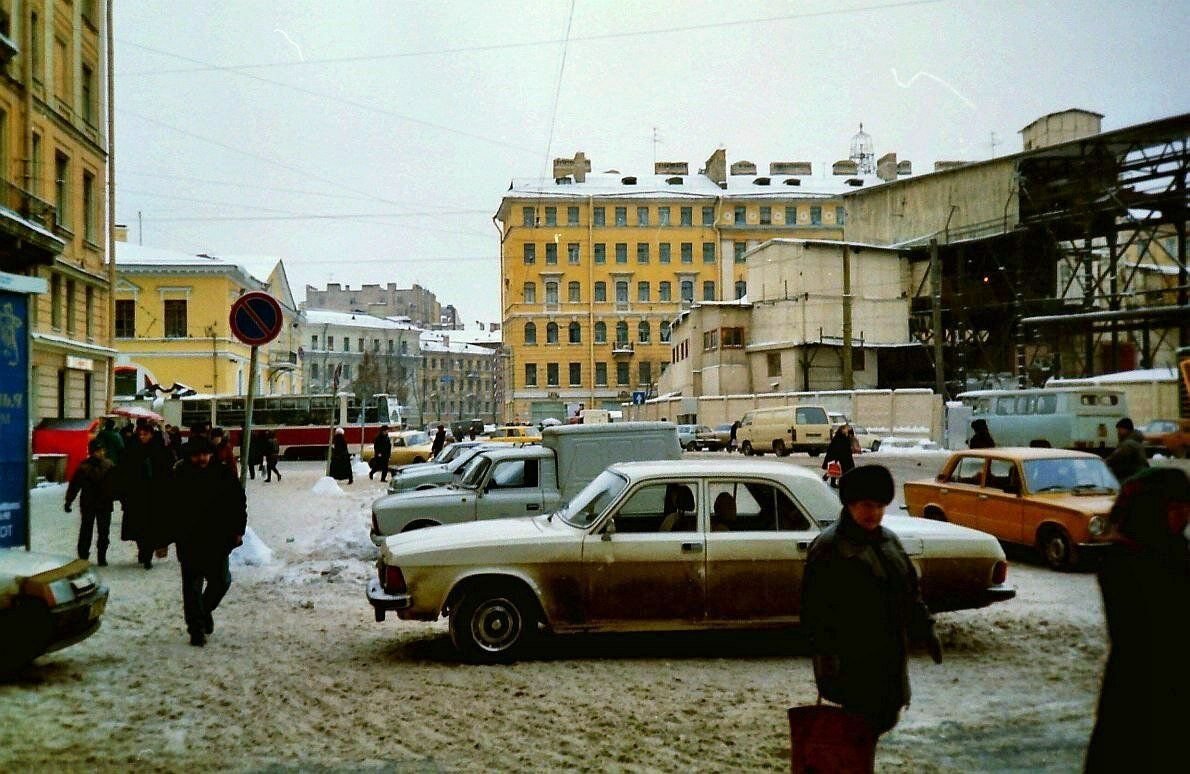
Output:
x=1056 y=547
x=746 y=448
x=934 y=514
x=814 y=452
x=32 y=621
x=779 y=449
x=493 y=626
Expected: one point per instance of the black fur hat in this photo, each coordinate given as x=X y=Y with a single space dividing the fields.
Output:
x=867 y=482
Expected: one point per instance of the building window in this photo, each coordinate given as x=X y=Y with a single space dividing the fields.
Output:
x=741 y=216
x=572 y=253
x=621 y=252
x=576 y=374
x=601 y=292
x=621 y=374
x=126 y=319
x=314 y=372
x=791 y=216
x=642 y=216
x=551 y=374
x=574 y=292
x=528 y=217
x=687 y=216
x=663 y=291
x=88 y=95
x=665 y=331
x=643 y=332
x=644 y=372
x=346 y=344
x=687 y=252
x=663 y=250
x=710 y=340
x=708 y=216
x=530 y=374
x=663 y=216
x=530 y=292
x=687 y=291
x=390 y=346
x=815 y=216
x=89 y=301
x=766 y=216
x=601 y=332
x=530 y=253
x=741 y=289
x=601 y=374
x=621 y=332
x=347 y=371
x=738 y=249
x=642 y=252
x=89 y=207
x=708 y=252
x=773 y=363
x=551 y=253
x=62 y=189
x=175 y=319
x=359 y=344
x=621 y=291
x=551 y=293
x=551 y=333
x=708 y=290
x=642 y=291
x=840 y=215
x=35 y=171
x=35 y=46
x=599 y=217
x=572 y=216
x=621 y=216
x=733 y=338
x=600 y=252
x=551 y=216
x=70 y=315
x=530 y=333
x=330 y=343
x=574 y=333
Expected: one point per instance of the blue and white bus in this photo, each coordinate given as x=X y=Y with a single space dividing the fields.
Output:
x=1082 y=418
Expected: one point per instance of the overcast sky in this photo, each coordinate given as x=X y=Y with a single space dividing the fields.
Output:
x=370 y=142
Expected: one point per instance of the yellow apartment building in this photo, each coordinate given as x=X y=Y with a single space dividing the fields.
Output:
x=53 y=202
x=596 y=267
x=171 y=325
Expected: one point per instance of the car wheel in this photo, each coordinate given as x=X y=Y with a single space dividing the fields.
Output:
x=747 y=449
x=420 y=525
x=814 y=452
x=935 y=514
x=1057 y=548
x=492 y=627
x=779 y=449
x=32 y=623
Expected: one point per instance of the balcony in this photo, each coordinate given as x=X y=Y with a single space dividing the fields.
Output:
x=623 y=349
x=30 y=220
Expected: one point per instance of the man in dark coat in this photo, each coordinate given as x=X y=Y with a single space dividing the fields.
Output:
x=210 y=516
x=92 y=481
x=981 y=437
x=113 y=443
x=1129 y=458
x=861 y=605
x=382 y=447
x=439 y=441
x=141 y=481
x=839 y=450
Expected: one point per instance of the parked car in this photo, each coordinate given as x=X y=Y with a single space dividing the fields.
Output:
x=1054 y=499
x=686 y=436
x=707 y=439
x=783 y=430
x=514 y=434
x=898 y=443
x=410 y=447
x=47 y=602
x=442 y=469
x=723 y=434
x=1167 y=436
x=642 y=548
x=868 y=441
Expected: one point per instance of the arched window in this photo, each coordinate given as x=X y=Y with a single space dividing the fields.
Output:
x=530 y=333
x=665 y=330
x=687 y=290
x=741 y=289
x=600 y=332
x=621 y=332
x=643 y=332
x=551 y=333
x=574 y=333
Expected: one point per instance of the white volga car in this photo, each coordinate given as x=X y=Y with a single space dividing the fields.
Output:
x=677 y=544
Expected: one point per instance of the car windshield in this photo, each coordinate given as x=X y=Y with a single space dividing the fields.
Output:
x=590 y=502
x=1061 y=474
x=447 y=453
x=465 y=455
x=474 y=472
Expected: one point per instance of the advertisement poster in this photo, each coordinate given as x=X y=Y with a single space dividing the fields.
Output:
x=14 y=419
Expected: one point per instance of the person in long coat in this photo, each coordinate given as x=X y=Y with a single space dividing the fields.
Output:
x=861 y=605
x=981 y=437
x=382 y=448
x=839 y=450
x=340 y=468
x=1144 y=577
x=256 y=454
x=142 y=480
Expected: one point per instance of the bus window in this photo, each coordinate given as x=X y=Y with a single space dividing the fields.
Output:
x=1047 y=404
x=1024 y=405
x=1004 y=406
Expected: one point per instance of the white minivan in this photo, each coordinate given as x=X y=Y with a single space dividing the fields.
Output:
x=785 y=429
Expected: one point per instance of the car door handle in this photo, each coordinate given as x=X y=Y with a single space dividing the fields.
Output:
x=802 y=545
x=692 y=548
x=532 y=507
x=983 y=497
x=943 y=491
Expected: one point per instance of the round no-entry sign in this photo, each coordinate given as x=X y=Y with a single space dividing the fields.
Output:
x=256 y=318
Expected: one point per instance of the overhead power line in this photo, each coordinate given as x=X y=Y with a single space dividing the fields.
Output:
x=323 y=216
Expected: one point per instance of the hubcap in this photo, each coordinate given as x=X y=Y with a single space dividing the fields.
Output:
x=496 y=625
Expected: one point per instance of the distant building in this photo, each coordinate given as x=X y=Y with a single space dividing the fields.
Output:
x=1063 y=126
x=459 y=381
x=419 y=305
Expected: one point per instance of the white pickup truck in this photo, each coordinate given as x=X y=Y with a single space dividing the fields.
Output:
x=527 y=480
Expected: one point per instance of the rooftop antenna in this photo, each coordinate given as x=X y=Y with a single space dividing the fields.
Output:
x=994 y=142
x=656 y=140
x=862 y=153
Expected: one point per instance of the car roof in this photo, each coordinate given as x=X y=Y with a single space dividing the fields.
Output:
x=501 y=451
x=712 y=467
x=1025 y=453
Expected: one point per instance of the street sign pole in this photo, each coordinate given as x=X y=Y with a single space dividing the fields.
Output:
x=255 y=318
x=246 y=441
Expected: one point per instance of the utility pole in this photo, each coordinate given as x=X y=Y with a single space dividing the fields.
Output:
x=848 y=376
x=936 y=317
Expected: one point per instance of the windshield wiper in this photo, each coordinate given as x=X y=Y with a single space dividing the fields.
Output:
x=1053 y=488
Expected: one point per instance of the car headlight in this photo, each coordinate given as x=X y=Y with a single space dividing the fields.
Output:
x=1097 y=526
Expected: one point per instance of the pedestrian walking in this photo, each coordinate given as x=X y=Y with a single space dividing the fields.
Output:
x=1129 y=458
x=1144 y=577
x=861 y=605
x=224 y=452
x=113 y=443
x=256 y=454
x=981 y=437
x=209 y=519
x=93 y=483
x=731 y=439
x=439 y=441
x=141 y=484
x=340 y=468
x=382 y=449
x=838 y=458
x=272 y=453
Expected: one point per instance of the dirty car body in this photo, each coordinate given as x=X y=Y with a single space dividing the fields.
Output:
x=614 y=559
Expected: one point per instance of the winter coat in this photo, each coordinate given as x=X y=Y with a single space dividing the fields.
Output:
x=439 y=442
x=861 y=605
x=340 y=460
x=210 y=512
x=1129 y=458
x=839 y=450
x=113 y=444
x=981 y=440
x=142 y=484
x=272 y=448
x=225 y=455
x=382 y=447
x=94 y=479
x=256 y=450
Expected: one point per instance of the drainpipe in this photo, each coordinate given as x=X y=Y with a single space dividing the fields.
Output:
x=111 y=192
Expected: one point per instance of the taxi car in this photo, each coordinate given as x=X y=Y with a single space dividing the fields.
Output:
x=1053 y=499
x=1167 y=436
x=410 y=447
x=514 y=434
x=47 y=602
x=652 y=545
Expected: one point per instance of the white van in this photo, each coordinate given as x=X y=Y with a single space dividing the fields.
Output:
x=785 y=429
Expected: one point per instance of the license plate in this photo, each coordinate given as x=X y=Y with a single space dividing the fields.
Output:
x=97 y=608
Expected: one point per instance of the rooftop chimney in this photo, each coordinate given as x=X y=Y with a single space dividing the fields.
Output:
x=789 y=168
x=577 y=167
x=743 y=168
x=120 y=232
x=904 y=168
x=845 y=167
x=942 y=166
x=886 y=167
x=716 y=168
x=671 y=168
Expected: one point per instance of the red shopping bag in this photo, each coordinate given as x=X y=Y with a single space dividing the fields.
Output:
x=834 y=469
x=824 y=738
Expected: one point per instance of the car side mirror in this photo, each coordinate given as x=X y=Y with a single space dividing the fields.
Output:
x=609 y=529
x=940 y=478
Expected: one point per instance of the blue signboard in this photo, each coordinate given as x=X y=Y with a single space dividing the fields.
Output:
x=256 y=318
x=638 y=398
x=14 y=419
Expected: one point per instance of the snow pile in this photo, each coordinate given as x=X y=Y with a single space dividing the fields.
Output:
x=361 y=469
x=326 y=486
x=253 y=552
